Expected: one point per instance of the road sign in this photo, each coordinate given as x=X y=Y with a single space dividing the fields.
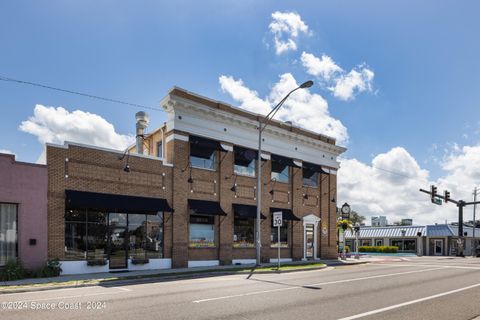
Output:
x=277 y=219
x=437 y=201
x=277 y=222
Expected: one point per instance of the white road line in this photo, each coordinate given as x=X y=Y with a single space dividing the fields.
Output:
x=433 y=265
x=369 y=313
x=122 y=288
x=314 y=284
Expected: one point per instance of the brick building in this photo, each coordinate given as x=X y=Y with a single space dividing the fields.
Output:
x=185 y=195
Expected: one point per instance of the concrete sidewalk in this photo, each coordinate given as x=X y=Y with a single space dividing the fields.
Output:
x=91 y=279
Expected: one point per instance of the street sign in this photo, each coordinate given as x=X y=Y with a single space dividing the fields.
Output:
x=277 y=219
x=437 y=201
x=277 y=222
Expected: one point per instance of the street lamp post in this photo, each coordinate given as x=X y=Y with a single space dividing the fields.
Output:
x=357 y=233
x=261 y=126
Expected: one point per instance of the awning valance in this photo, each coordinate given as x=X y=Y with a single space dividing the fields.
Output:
x=210 y=208
x=284 y=161
x=313 y=167
x=244 y=156
x=207 y=143
x=114 y=202
x=246 y=211
x=287 y=214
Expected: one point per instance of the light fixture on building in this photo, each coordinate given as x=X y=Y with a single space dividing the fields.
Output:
x=125 y=155
x=190 y=179
x=305 y=196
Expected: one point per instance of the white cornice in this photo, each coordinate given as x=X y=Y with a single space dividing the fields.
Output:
x=190 y=116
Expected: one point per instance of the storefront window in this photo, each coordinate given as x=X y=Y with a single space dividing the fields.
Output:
x=283 y=235
x=8 y=232
x=404 y=244
x=366 y=242
x=137 y=237
x=96 y=235
x=202 y=231
x=76 y=234
x=86 y=234
x=154 y=236
x=244 y=233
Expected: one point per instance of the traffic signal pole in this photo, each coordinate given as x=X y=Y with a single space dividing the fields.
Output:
x=460 y=204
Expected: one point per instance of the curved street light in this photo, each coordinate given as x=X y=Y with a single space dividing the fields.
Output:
x=261 y=126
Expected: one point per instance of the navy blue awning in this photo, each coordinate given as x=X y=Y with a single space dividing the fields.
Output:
x=115 y=202
x=283 y=161
x=287 y=214
x=313 y=167
x=210 y=208
x=246 y=211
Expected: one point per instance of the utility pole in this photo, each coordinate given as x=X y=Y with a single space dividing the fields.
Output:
x=474 y=221
x=436 y=199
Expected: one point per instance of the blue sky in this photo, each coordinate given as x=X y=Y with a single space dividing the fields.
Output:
x=423 y=98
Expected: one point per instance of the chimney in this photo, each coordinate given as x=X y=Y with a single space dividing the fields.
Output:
x=142 y=123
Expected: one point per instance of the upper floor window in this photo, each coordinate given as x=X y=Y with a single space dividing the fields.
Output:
x=310 y=177
x=244 y=163
x=160 y=149
x=281 y=168
x=311 y=174
x=203 y=152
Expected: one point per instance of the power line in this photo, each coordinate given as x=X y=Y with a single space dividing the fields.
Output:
x=136 y=105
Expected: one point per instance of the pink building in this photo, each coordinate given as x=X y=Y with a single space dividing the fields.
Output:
x=23 y=212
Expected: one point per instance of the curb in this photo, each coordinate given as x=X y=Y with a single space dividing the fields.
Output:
x=160 y=278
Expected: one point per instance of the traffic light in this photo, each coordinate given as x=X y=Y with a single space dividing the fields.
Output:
x=447 y=195
x=433 y=191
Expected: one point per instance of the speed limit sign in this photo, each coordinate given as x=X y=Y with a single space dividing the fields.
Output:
x=277 y=219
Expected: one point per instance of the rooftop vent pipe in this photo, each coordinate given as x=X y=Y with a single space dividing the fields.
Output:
x=142 y=123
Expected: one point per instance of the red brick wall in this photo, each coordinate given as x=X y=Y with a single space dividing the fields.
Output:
x=101 y=171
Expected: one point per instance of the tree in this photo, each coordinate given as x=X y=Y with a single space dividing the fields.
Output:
x=355 y=218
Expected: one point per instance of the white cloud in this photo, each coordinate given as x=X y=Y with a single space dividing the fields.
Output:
x=356 y=81
x=303 y=108
x=322 y=68
x=390 y=185
x=343 y=85
x=286 y=27
x=56 y=125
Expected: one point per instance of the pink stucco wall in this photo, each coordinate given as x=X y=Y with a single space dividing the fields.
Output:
x=26 y=184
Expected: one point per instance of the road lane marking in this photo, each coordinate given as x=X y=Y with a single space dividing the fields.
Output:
x=369 y=313
x=314 y=284
x=434 y=265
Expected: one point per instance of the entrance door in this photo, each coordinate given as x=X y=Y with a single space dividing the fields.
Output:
x=117 y=227
x=438 y=247
x=309 y=241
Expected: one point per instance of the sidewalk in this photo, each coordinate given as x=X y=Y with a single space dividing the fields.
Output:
x=110 y=278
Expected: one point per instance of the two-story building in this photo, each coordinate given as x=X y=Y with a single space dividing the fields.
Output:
x=186 y=194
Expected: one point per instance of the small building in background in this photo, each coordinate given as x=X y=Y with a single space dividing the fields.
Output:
x=406 y=222
x=380 y=221
x=429 y=240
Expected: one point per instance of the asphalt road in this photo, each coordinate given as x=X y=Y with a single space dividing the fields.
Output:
x=416 y=288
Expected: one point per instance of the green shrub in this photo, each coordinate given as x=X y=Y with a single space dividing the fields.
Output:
x=13 y=270
x=381 y=249
x=52 y=269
